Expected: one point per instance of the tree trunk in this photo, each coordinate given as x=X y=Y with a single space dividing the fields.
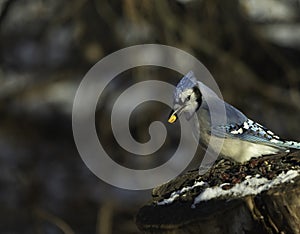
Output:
x=260 y=196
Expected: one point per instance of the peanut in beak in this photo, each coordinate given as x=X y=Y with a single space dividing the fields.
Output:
x=172 y=118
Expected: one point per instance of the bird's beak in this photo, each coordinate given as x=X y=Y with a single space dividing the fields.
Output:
x=174 y=114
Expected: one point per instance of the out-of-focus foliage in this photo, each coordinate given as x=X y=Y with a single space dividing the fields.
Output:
x=251 y=47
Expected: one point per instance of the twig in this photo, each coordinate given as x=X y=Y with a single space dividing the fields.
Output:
x=54 y=220
x=4 y=9
x=104 y=219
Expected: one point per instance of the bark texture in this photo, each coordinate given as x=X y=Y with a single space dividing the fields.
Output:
x=275 y=210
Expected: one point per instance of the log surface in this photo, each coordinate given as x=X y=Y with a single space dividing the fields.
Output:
x=276 y=209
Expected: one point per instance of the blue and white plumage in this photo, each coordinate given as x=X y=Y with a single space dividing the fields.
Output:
x=243 y=138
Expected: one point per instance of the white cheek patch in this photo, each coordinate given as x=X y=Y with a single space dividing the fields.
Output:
x=185 y=94
x=182 y=98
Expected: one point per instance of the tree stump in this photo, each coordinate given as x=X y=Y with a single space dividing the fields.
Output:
x=259 y=196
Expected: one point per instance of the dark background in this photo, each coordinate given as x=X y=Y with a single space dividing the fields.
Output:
x=251 y=47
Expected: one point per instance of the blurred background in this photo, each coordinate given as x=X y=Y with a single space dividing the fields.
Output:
x=251 y=47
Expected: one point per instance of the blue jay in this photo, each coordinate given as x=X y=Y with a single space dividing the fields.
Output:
x=243 y=138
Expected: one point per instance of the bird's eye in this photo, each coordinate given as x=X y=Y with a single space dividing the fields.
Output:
x=188 y=97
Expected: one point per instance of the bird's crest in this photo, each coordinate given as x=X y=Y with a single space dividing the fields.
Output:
x=187 y=82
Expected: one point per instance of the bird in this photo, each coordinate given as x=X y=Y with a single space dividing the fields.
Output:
x=242 y=137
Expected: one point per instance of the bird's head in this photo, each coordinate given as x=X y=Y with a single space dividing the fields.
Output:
x=187 y=98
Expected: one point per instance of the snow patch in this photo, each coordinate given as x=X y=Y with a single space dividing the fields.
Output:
x=169 y=200
x=250 y=186
x=177 y=193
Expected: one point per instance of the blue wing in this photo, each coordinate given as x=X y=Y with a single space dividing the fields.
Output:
x=250 y=131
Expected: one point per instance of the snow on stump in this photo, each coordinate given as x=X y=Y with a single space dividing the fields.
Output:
x=259 y=196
